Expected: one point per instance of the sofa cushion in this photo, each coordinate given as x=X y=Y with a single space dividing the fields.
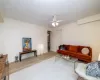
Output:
x=73 y=48
x=71 y=53
x=62 y=52
x=93 y=69
x=83 y=56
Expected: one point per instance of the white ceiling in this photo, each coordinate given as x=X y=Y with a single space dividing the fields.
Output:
x=41 y=11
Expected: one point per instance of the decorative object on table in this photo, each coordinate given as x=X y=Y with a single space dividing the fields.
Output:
x=93 y=69
x=67 y=57
x=16 y=58
x=85 y=51
x=27 y=44
x=1 y=55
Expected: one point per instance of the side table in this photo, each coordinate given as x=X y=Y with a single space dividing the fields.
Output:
x=22 y=53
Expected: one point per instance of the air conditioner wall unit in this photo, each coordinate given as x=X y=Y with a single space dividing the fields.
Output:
x=89 y=19
x=1 y=19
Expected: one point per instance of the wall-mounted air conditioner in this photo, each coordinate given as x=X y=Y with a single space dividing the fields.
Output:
x=1 y=19
x=89 y=19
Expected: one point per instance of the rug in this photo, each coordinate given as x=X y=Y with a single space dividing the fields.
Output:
x=47 y=70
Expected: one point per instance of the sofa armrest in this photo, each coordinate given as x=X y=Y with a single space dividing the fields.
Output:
x=59 y=47
x=90 y=54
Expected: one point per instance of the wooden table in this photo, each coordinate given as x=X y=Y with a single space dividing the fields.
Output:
x=4 y=68
x=22 y=53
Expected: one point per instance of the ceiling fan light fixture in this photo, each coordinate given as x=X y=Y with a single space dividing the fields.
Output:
x=57 y=24
x=54 y=24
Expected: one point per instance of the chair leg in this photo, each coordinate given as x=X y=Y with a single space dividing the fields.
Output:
x=5 y=78
x=80 y=78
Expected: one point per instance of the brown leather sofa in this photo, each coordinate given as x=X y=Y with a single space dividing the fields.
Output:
x=76 y=52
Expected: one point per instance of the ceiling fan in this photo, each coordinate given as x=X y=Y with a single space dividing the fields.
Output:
x=55 y=22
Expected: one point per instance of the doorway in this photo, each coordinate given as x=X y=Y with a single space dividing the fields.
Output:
x=56 y=39
x=49 y=41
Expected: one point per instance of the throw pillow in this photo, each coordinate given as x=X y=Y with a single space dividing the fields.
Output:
x=93 y=69
x=85 y=51
x=62 y=47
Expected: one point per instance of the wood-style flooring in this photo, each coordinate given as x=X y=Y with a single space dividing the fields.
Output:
x=14 y=67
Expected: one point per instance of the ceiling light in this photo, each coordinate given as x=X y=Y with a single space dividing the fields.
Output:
x=54 y=24
x=57 y=24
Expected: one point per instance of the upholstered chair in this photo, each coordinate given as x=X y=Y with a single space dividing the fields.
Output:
x=81 y=71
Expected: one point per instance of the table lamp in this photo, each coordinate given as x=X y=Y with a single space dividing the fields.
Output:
x=99 y=57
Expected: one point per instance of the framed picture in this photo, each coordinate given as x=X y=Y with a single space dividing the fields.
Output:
x=27 y=44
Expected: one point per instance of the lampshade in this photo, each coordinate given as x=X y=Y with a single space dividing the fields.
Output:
x=40 y=49
x=99 y=57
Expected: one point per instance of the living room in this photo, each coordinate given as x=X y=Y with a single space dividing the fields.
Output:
x=71 y=22
x=79 y=34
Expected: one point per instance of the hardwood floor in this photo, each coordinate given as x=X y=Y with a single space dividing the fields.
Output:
x=14 y=67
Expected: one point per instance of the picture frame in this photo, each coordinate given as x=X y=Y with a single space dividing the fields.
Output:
x=27 y=44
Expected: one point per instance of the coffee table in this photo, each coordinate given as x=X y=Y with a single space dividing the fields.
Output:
x=68 y=58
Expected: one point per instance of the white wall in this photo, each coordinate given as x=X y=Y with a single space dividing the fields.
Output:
x=12 y=32
x=85 y=34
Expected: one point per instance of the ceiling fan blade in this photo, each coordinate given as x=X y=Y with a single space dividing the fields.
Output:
x=59 y=21
x=56 y=21
x=52 y=21
x=54 y=18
